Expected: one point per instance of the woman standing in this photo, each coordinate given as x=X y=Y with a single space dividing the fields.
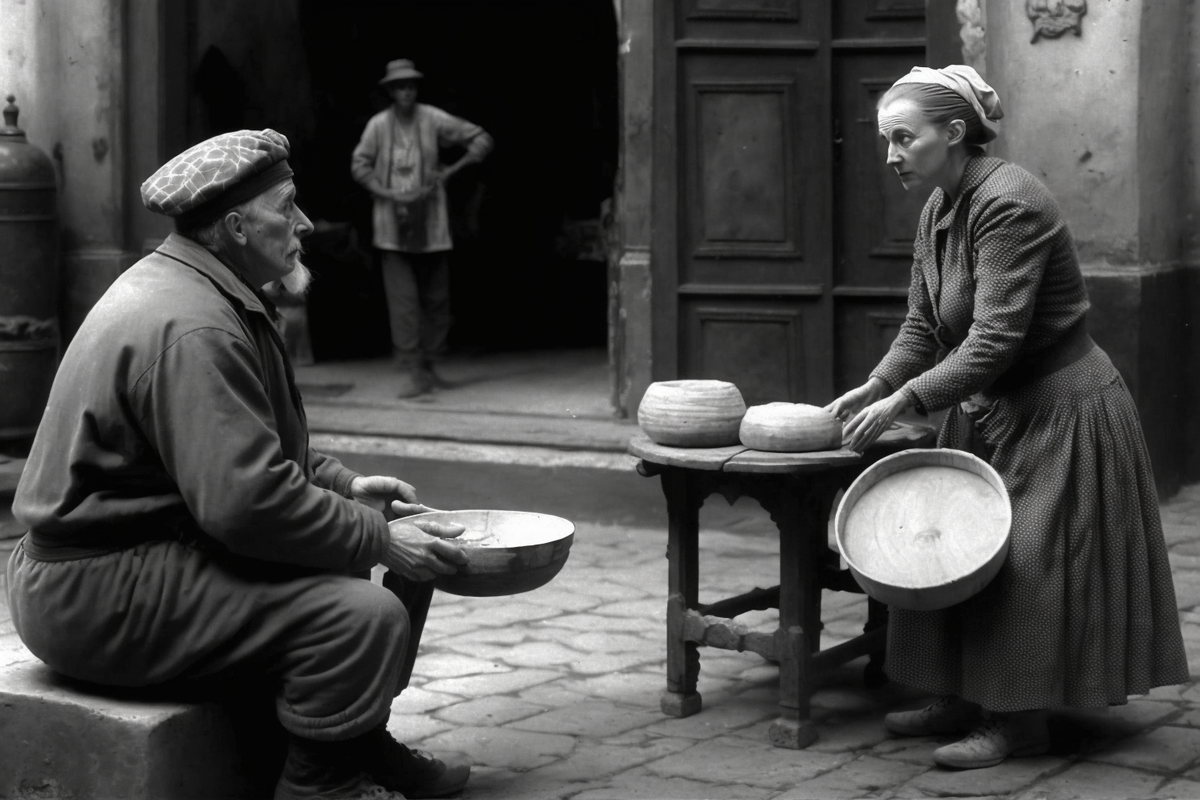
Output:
x=397 y=161
x=1083 y=611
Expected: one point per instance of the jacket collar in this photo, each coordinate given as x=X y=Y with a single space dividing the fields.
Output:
x=207 y=264
x=975 y=173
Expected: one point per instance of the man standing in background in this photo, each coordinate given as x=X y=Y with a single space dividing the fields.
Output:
x=397 y=161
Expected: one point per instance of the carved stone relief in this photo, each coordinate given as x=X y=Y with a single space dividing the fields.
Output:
x=1053 y=18
x=972 y=19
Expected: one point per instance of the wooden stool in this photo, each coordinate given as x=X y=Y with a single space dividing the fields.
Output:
x=798 y=491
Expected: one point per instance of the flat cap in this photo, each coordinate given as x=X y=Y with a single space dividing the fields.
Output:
x=214 y=176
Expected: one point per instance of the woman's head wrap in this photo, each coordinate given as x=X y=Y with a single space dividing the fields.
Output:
x=965 y=82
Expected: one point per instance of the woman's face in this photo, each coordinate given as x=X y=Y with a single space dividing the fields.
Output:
x=918 y=149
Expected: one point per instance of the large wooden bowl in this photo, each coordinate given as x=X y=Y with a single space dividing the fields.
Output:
x=924 y=529
x=508 y=552
x=790 y=428
x=692 y=413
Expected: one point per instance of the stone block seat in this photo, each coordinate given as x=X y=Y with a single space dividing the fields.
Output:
x=60 y=738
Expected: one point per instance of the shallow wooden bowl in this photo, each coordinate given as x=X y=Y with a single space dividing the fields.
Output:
x=692 y=413
x=925 y=529
x=790 y=428
x=508 y=552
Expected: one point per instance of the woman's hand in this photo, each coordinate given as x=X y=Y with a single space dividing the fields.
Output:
x=855 y=400
x=423 y=549
x=391 y=497
x=870 y=423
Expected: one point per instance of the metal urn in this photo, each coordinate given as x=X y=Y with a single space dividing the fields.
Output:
x=29 y=276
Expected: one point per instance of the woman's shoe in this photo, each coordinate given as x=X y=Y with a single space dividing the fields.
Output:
x=1000 y=736
x=945 y=715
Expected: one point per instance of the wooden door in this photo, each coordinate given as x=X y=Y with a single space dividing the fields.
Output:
x=781 y=250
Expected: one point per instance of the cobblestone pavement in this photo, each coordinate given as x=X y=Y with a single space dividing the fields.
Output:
x=555 y=694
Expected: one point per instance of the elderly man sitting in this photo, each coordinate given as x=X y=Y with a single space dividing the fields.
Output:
x=180 y=525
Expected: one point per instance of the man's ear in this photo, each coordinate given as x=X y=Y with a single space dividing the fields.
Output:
x=956 y=131
x=234 y=224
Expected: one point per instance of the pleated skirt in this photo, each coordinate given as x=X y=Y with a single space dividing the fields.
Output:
x=1083 y=611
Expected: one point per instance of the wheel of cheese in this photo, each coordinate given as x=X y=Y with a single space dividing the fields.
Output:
x=790 y=428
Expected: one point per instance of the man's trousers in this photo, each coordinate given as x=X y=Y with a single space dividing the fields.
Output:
x=338 y=648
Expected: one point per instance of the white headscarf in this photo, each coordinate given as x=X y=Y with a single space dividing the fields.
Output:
x=964 y=81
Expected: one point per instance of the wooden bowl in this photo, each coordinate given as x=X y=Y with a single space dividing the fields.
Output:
x=790 y=428
x=692 y=413
x=508 y=552
x=924 y=529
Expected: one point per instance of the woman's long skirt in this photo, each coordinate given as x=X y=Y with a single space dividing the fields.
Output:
x=1083 y=611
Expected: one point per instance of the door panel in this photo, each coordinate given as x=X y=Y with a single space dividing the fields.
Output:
x=767 y=348
x=879 y=19
x=751 y=132
x=778 y=228
x=866 y=329
x=877 y=217
x=724 y=21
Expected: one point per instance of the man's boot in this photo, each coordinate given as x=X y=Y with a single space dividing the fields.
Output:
x=411 y=772
x=327 y=771
x=412 y=382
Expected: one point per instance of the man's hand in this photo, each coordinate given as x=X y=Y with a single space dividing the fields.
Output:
x=391 y=497
x=423 y=549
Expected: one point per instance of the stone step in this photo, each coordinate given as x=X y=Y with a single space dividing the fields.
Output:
x=60 y=738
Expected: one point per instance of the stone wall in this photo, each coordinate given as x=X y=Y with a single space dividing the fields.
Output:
x=1103 y=120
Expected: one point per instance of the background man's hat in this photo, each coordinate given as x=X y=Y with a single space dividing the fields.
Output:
x=400 y=70
x=217 y=175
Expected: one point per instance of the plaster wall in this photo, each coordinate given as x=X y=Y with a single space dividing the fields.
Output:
x=1071 y=117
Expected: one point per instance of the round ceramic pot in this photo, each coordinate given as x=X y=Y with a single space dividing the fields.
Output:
x=692 y=413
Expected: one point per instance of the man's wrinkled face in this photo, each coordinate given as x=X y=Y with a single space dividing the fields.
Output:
x=274 y=226
x=918 y=150
x=403 y=93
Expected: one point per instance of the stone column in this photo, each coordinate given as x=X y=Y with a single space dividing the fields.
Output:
x=1104 y=120
x=631 y=326
x=66 y=62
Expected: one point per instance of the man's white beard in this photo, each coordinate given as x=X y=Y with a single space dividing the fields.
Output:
x=296 y=282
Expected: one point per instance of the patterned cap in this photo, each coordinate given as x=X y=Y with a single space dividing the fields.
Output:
x=216 y=175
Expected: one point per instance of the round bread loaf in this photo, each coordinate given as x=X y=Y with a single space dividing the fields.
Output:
x=790 y=428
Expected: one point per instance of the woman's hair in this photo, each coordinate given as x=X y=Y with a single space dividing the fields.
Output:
x=939 y=105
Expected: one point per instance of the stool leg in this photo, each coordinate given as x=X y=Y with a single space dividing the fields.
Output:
x=799 y=615
x=877 y=617
x=683 y=587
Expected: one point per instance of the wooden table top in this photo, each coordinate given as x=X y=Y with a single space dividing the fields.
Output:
x=739 y=458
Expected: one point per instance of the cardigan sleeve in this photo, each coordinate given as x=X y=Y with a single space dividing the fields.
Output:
x=915 y=347
x=452 y=130
x=1013 y=241
x=362 y=162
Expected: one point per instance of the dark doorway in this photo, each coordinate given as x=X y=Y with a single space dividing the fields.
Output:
x=528 y=266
